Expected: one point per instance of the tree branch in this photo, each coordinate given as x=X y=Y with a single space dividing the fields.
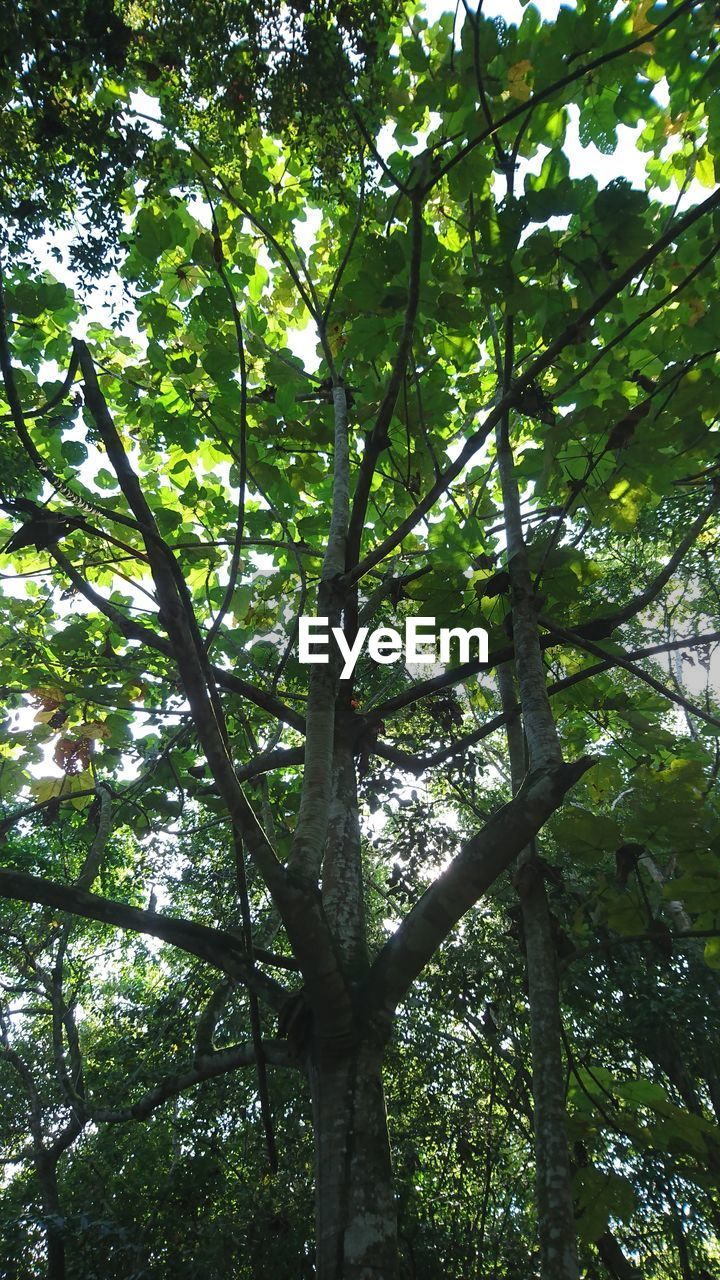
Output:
x=418 y=764
x=207 y=1067
x=622 y=660
x=377 y=439
x=568 y=337
x=215 y=946
x=135 y=631
x=296 y=896
x=572 y=77
x=470 y=874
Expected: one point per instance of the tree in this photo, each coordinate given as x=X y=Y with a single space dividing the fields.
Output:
x=509 y=421
x=70 y=147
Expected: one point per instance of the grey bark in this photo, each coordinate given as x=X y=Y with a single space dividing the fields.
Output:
x=556 y=1225
x=558 y=1250
x=311 y=830
x=342 y=884
x=356 y=1223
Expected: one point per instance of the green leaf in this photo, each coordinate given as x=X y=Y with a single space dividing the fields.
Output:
x=582 y=833
x=74 y=452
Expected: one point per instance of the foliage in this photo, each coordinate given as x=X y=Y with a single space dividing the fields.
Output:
x=76 y=77
x=437 y=278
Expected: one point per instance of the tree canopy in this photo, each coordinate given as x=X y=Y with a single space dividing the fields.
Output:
x=350 y=313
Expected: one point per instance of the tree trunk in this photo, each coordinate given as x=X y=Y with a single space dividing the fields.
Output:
x=356 y=1221
x=52 y=1212
x=55 y=1255
x=558 y=1249
x=553 y=1179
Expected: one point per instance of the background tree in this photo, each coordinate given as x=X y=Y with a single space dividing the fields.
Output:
x=509 y=420
x=69 y=146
